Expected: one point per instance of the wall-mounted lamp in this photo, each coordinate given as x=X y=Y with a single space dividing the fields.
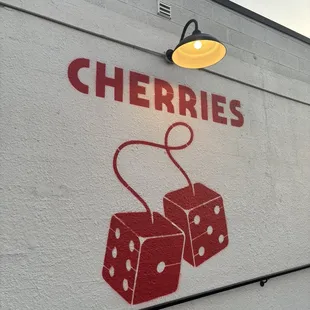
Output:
x=199 y=50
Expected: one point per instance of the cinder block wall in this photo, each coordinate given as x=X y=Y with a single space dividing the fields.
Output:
x=263 y=53
x=58 y=190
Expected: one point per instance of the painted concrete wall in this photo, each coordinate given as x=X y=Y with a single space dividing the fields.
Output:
x=58 y=187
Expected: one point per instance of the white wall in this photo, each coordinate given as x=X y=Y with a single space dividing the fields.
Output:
x=58 y=188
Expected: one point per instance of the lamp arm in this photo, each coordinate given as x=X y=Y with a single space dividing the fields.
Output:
x=186 y=26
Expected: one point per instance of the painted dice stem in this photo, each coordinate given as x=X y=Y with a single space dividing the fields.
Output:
x=202 y=218
x=143 y=257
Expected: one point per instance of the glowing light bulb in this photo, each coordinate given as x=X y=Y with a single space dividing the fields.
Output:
x=197 y=45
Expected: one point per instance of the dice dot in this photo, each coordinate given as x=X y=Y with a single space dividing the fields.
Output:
x=117 y=233
x=114 y=252
x=209 y=230
x=111 y=271
x=131 y=246
x=125 y=285
x=216 y=209
x=221 y=239
x=128 y=264
x=161 y=267
x=201 y=251
x=197 y=219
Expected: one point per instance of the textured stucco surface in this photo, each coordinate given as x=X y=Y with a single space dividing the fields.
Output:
x=58 y=189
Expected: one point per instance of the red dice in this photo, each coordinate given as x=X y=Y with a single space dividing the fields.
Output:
x=143 y=257
x=202 y=218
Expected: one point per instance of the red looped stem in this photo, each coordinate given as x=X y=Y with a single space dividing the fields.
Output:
x=164 y=146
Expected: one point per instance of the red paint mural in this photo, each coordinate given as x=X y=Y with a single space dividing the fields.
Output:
x=145 y=249
x=174 y=99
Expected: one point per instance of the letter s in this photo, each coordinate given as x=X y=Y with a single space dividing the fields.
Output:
x=234 y=104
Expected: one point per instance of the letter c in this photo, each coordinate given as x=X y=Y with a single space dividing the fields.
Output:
x=73 y=71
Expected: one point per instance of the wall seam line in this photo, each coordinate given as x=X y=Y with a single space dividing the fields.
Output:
x=143 y=49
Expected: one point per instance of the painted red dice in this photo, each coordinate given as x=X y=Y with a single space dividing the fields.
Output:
x=202 y=219
x=143 y=258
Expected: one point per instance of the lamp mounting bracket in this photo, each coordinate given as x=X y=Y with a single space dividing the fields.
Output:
x=196 y=31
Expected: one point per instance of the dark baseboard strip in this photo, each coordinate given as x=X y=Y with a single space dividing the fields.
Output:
x=261 y=19
x=262 y=280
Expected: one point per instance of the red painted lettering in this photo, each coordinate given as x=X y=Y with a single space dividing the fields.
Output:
x=102 y=81
x=187 y=101
x=161 y=98
x=217 y=109
x=234 y=104
x=163 y=93
x=73 y=74
x=136 y=89
x=204 y=105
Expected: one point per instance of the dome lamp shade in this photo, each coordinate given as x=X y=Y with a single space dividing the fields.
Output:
x=199 y=50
